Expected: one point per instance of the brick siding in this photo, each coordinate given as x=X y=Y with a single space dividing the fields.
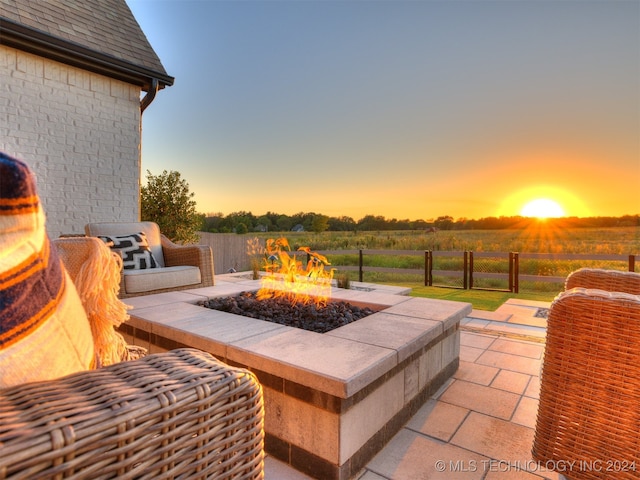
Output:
x=79 y=132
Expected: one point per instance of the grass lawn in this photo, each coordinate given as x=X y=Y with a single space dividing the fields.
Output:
x=480 y=299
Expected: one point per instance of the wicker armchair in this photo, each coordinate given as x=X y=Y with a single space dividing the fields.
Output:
x=589 y=411
x=181 y=414
x=608 y=280
x=180 y=266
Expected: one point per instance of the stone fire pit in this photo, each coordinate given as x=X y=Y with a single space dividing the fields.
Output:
x=332 y=400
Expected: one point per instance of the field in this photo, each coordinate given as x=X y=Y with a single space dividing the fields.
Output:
x=623 y=240
x=583 y=241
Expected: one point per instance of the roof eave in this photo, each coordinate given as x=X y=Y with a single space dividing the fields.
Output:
x=39 y=43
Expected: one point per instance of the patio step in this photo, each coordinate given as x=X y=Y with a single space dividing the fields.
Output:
x=522 y=319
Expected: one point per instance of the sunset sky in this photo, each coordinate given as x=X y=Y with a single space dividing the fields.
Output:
x=406 y=109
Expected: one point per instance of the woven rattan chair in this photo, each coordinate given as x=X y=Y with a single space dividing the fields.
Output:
x=181 y=414
x=177 y=263
x=609 y=280
x=589 y=411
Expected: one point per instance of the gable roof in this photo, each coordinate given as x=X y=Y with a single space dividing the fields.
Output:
x=102 y=36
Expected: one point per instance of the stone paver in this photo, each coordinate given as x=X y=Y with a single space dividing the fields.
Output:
x=495 y=438
x=497 y=316
x=470 y=354
x=517 y=348
x=526 y=412
x=514 y=363
x=511 y=381
x=479 y=398
x=533 y=389
x=438 y=419
x=406 y=335
x=515 y=329
x=476 y=373
x=369 y=475
x=274 y=469
x=525 y=303
x=410 y=455
x=504 y=472
x=475 y=340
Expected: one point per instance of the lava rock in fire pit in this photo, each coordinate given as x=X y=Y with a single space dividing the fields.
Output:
x=320 y=319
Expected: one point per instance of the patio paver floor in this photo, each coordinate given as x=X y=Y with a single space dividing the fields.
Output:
x=480 y=424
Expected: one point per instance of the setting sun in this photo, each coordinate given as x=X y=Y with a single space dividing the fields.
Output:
x=542 y=201
x=542 y=208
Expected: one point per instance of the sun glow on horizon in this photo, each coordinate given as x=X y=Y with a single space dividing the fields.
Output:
x=543 y=201
x=542 y=208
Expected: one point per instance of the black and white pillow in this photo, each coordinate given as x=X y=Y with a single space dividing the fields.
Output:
x=134 y=248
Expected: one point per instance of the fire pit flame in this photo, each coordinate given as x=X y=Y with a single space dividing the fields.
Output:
x=286 y=277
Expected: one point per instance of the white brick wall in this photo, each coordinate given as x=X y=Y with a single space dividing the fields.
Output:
x=79 y=132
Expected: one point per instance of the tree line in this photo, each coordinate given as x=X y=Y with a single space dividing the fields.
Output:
x=245 y=222
x=167 y=200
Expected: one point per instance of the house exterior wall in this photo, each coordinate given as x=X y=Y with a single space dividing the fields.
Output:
x=79 y=132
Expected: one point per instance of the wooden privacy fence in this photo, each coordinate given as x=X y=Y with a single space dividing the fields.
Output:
x=229 y=251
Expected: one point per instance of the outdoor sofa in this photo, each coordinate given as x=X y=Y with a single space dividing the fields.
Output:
x=153 y=263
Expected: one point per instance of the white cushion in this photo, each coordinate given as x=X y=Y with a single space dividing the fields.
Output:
x=141 y=281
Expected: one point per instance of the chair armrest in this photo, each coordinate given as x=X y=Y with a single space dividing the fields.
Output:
x=608 y=280
x=199 y=256
x=176 y=414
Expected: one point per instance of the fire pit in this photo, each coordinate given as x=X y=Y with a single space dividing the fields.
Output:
x=308 y=316
x=332 y=400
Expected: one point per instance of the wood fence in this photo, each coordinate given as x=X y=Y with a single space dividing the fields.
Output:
x=229 y=251
x=457 y=269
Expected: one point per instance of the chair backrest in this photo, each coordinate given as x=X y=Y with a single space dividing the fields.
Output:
x=608 y=280
x=150 y=229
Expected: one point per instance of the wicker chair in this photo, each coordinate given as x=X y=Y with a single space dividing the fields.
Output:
x=181 y=414
x=181 y=266
x=589 y=411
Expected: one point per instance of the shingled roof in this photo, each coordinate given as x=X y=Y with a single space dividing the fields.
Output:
x=98 y=35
